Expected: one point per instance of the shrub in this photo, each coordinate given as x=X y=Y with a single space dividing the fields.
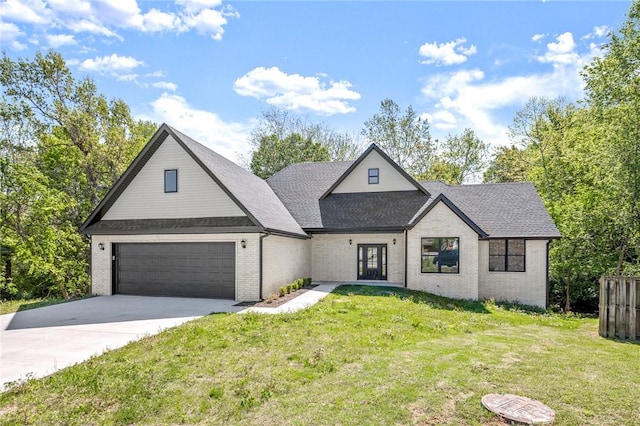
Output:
x=282 y=291
x=272 y=297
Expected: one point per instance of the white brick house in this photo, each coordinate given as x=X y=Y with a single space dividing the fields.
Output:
x=184 y=221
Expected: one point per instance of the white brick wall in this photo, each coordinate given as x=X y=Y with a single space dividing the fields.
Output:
x=527 y=287
x=442 y=222
x=334 y=259
x=247 y=266
x=284 y=261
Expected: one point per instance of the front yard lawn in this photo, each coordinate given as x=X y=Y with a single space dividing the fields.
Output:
x=363 y=355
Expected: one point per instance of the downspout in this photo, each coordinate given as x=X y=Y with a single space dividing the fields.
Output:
x=548 y=287
x=262 y=237
x=406 y=234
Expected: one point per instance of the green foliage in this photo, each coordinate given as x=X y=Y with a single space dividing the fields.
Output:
x=508 y=164
x=274 y=154
x=460 y=159
x=280 y=124
x=405 y=137
x=63 y=146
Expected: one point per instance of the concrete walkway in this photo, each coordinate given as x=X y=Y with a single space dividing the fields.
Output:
x=305 y=300
x=314 y=295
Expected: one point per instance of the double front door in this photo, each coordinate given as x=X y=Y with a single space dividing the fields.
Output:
x=372 y=261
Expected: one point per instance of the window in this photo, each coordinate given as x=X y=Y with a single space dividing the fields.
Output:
x=440 y=255
x=506 y=255
x=374 y=176
x=171 y=180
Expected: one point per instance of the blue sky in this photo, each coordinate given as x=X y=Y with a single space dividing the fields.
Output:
x=209 y=67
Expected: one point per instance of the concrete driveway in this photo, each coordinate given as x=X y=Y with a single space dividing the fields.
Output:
x=37 y=342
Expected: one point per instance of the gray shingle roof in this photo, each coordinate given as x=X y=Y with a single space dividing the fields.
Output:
x=301 y=185
x=252 y=192
x=497 y=210
x=501 y=210
x=370 y=210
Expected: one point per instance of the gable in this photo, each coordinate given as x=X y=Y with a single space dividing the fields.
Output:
x=389 y=177
x=198 y=195
x=443 y=221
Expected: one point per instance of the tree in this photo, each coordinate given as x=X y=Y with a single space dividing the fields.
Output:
x=462 y=158
x=63 y=146
x=282 y=123
x=613 y=91
x=274 y=154
x=404 y=137
x=508 y=164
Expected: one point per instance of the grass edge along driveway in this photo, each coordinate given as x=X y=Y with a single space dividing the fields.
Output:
x=363 y=355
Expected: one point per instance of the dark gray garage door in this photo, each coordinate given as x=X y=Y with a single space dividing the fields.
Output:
x=176 y=269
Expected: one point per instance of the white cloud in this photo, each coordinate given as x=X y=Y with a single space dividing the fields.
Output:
x=207 y=21
x=296 y=92
x=195 y=6
x=441 y=120
x=156 y=21
x=25 y=11
x=598 y=32
x=451 y=53
x=9 y=35
x=107 y=17
x=227 y=139
x=538 y=37
x=57 y=40
x=562 y=51
x=470 y=98
x=166 y=85
x=113 y=64
x=127 y=77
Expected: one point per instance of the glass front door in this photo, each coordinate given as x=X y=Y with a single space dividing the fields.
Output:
x=372 y=261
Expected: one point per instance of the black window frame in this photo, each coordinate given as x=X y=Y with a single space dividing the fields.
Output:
x=375 y=176
x=165 y=181
x=439 y=255
x=506 y=255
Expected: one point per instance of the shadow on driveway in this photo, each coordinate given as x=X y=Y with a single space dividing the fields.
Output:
x=118 y=308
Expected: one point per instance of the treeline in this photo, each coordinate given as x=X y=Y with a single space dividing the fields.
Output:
x=584 y=159
x=63 y=145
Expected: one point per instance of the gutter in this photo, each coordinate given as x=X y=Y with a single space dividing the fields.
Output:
x=262 y=237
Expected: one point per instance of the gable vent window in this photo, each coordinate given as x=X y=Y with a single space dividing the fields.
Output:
x=507 y=255
x=171 y=180
x=374 y=176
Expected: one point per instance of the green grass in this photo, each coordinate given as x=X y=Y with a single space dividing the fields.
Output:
x=9 y=306
x=363 y=355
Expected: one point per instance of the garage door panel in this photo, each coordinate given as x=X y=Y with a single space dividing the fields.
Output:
x=176 y=269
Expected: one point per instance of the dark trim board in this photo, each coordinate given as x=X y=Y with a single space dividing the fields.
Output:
x=184 y=269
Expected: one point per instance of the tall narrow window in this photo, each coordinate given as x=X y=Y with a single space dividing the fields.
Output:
x=374 y=176
x=440 y=255
x=171 y=180
x=507 y=255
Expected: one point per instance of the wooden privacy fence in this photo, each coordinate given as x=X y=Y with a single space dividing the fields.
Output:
x=619 y=306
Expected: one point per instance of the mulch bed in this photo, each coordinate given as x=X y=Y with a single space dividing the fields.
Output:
x=284 y=299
